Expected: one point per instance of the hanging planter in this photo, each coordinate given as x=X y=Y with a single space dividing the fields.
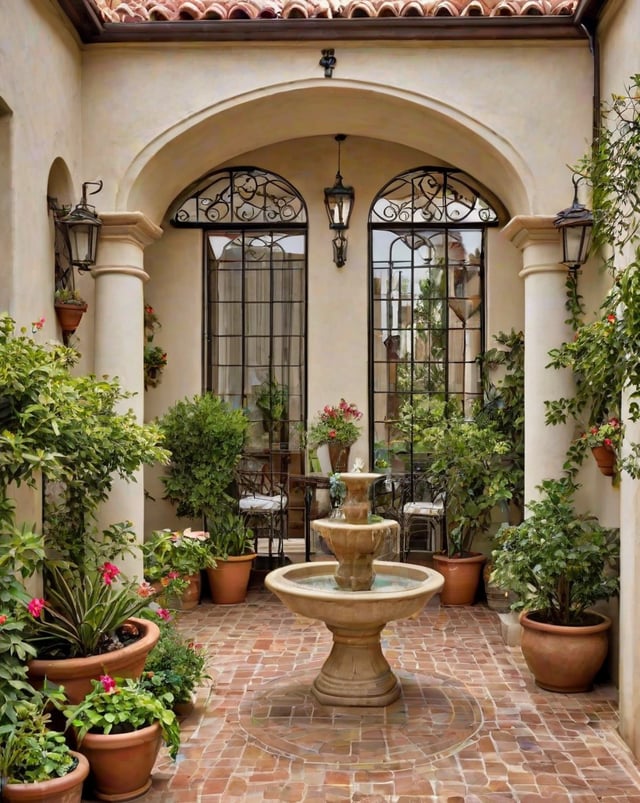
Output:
x=70 y=308
x=606 y=459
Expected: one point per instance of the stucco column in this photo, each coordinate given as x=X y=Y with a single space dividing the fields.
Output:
x=629 y=625
x=544 y=329
x=119 y=344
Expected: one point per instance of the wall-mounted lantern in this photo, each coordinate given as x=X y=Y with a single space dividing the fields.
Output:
x=338 y=201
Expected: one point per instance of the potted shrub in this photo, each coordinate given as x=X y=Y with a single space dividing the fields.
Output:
x=35 y=761
x=465 y=465
x=119 y=727
x=174 y=668
x=232 y=545
x=336 y=427
x=205 y=437
x=173 y=559
x=560 y=563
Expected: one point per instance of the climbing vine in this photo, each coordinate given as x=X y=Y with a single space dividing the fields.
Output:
x=604 y=354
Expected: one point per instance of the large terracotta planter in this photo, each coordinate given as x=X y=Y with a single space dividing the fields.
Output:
x=229 y=581
x=76 y=674
x=121 y=763
x=461 y=578
x=67 y=789
x=564 y=659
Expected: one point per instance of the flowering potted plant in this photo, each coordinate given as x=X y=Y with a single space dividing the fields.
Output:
x=605 y=440
x=35 y=762
x=175 y=666
x=119 y=727
x=86 y=625
x=337 y=428
x=174 y=559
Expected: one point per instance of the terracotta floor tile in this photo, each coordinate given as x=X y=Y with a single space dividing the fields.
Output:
x=470 y=726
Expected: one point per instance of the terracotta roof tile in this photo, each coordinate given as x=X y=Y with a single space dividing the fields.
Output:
x=176 y=10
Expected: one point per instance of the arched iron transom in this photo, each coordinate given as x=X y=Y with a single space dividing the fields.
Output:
x=241 y=196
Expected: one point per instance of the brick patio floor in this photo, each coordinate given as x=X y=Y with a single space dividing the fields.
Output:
x=470 y=726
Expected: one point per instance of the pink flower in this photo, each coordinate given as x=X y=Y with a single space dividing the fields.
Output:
x=109 y=572
x=145 y=589
x=607 y=442
x=108 y=683
x=163 y=613
x=35 y=606
x=3 y=619
x=173 y=575
x=332 y=433
x=198 y=535
x=37 y=325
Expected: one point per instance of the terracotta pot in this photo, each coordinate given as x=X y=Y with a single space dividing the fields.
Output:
x=67 y=789
x=69 y=316
x=121 y=763
x=461 y=578
x=338 y=456
x=182 y=710
x=564 y=659
x=605 y=458
x=76 y=674
x=229 y=581
x=190 y=597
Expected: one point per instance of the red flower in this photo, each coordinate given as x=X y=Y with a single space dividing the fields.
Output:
x=108 y=683
x=607 y=442
x=35 y=606
x=109 y=572
x=173 y=575
x=163 y=613
x=3 y=619
x=332 y=433
x=611 y=318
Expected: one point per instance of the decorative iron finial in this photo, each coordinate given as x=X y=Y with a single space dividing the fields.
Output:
x=328 y=61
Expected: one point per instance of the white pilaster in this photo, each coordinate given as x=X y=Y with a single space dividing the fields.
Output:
x=119 y=344
x=544 y=329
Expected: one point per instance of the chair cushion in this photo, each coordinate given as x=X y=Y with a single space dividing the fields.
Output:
x=423 y=509
x=262 y=502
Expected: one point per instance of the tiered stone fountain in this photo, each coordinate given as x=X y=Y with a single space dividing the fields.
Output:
x=355 y=599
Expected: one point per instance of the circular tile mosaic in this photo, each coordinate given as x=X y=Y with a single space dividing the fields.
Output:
x=434 y=717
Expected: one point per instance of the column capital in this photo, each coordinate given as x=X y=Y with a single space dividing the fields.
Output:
x=524 y=230
x=134 y=227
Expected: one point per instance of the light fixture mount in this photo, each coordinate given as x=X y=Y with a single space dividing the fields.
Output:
x=576 y=227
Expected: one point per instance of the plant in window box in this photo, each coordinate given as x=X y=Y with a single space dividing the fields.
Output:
x=177 y=558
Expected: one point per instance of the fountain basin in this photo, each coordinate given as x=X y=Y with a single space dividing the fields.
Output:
x=356 y=672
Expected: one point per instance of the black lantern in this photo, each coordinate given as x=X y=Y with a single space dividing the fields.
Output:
x=81 y=227
x=576 y=225
x=338 y=201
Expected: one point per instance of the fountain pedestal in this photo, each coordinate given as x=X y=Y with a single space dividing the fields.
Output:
x=355 y=600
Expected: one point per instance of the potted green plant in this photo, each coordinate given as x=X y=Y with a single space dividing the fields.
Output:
x=171 y=556
x=272 y=399
x=559 y=563
x=605 y=441
x=232 y=545
x=336 y=427
x=119 y=726
x=175 y=667
x=35 y=761
x=205 y=437
x=464 y=463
